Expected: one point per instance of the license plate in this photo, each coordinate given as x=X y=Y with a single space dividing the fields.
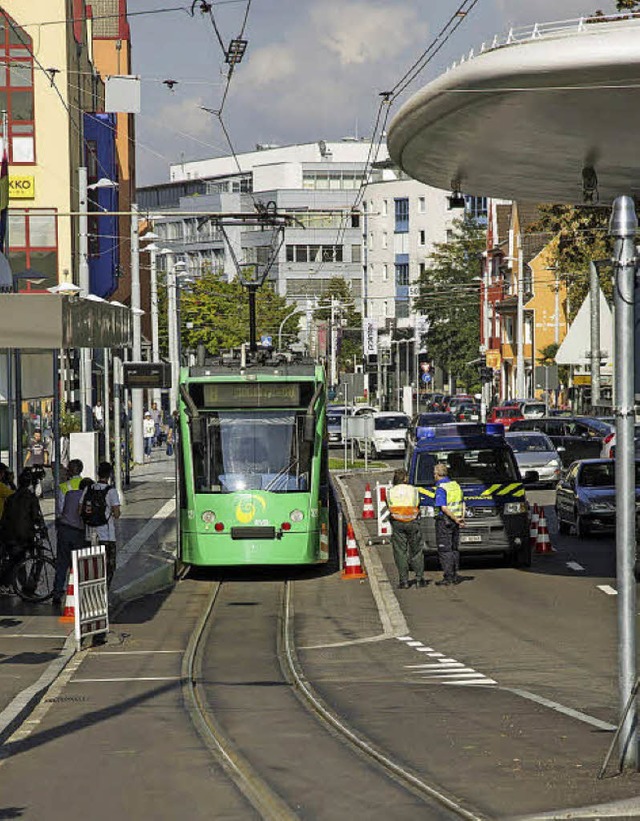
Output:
x=467 y=539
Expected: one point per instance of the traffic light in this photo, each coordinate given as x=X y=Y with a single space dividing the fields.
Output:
x=486 y=374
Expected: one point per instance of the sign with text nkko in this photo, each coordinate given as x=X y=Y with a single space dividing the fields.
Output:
x=22 y=188
x=370 y=334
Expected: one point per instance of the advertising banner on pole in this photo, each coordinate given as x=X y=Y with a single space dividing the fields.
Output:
x=370 y=336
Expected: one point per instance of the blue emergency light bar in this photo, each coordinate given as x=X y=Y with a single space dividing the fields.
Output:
x=459 y=429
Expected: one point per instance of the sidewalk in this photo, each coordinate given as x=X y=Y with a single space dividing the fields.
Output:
x=34 y=645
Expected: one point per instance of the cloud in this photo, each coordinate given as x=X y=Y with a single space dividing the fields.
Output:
x=185 y=115
x=269 y=65
x=363 y=32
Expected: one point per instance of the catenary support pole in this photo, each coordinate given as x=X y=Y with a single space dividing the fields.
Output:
x=594 y=304
x=622 y=228
x=106 y=411
x=84 y=285
x=520 y=375
x=172 y=334
x=155 y=336
x=136 y=393
x=55 y=427
x=117 y=424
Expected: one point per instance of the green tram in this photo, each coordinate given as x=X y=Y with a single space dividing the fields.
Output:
x=253 y=468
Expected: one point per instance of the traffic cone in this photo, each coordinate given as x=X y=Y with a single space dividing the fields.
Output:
x=367 y=509
x=543 y=543
x=533 y=526
x=352 y=566
x=69 y=614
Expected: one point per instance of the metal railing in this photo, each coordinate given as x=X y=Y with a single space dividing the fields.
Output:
x=538 y=31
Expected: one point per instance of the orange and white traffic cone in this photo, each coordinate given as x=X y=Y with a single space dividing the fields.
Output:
x=69 y=614
x=367 y=509
x=384 y=523
x=533 y=526
x=352 y=566
x=543 y=544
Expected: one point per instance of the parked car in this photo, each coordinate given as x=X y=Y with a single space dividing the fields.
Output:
x=334 y=420
x=467 y=412
x=535 y=451
x=533 y=410
x=435 y=402
x=580 y=436
x=608 y=450
x=390 y=435
x=505 y=415
x=586 y=497
x=459 y=399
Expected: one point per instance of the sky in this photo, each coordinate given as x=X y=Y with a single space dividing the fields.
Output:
x=313 y=69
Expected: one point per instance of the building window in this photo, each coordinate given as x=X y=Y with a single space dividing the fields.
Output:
x=314 y=253
x=355 y=220
x=356 y=253
x=371 y=273
x=476 y=207
x=449 y=235
x=16 y=90
x=371 y=241
x=33 y=236
x=422 y=237
x=422 y=268
x=385 y=309
x=402 y=273
x=422 y=205
x=402 y=215
x=385 y=240
x=385 y=272
x=385 y=208
x=402 y=309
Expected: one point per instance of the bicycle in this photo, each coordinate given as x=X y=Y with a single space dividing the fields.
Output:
x=30 y=570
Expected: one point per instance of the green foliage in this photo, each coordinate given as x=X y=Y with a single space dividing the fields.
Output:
x=547 y=355
x=627 y=5
x=69 y=422
x=349 y=319
x=219 y=311
x=450 y=299
x=582 y=233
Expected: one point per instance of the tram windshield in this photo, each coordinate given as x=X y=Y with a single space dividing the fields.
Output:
x=240 y=450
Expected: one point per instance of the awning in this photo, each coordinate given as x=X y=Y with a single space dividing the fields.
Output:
x=523 y=120
x=53 y=321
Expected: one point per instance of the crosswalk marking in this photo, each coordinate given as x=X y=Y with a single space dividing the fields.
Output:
x=441 y=668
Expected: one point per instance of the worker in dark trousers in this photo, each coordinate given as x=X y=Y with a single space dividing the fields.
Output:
x=406 y=539
x=449 y=504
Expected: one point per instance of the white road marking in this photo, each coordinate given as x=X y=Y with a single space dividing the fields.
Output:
x=133 y=652
x=144 y=534
x=142 y=678
x=437 y=655
x=414 y=644
x=574 y=566
x=606 y=588
x=474 y=681
x=560 y=708
x=424 y=649
x=405 y=638
x=33 y=636
x=434 y=666
x=444 y=676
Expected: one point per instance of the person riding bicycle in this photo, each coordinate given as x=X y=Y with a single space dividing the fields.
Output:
x=22 y=517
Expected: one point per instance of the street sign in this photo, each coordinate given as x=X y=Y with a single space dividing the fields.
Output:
x=426 y=377
x=493 y=359
x=147 y=375
x=266 y=341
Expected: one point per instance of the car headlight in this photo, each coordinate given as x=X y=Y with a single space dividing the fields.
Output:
x=512 y=508
x=553 y=464
x=296 y=515
x=208 y=517
x=601 y=507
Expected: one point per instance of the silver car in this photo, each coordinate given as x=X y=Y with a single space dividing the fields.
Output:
x=535 y=451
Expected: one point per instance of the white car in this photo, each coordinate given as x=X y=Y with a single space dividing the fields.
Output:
x=609 y=444
x=390 y=435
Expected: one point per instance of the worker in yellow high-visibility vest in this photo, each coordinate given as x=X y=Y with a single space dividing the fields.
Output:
x=406 y=538
x=449 y=505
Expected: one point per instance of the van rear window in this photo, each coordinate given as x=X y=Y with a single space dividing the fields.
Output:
x=469 y=466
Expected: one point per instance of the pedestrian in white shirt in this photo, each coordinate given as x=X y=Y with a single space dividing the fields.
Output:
x=148 y=433
x=99 y=509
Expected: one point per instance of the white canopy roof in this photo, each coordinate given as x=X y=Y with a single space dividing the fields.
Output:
x=522 y=120
x=575 y=347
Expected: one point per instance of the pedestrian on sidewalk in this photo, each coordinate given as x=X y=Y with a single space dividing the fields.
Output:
x=406 y=539
x=449 y=505
x=70 y=529
x=99 y=509
x=148 y=433
x=156 y=415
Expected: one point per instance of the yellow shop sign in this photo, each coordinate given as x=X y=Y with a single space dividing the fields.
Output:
x=22 y=188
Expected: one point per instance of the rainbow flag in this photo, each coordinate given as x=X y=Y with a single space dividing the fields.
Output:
x=4 y=198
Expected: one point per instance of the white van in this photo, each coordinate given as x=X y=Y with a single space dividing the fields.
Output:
x=533 y=410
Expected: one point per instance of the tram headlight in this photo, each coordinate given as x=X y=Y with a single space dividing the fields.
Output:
x=296 y=515
x=208 y=517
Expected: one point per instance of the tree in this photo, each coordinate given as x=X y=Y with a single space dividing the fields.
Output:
x=348 y=318
x=581 y=234
x=627 y=5
x=218 y=311
x=450 y=299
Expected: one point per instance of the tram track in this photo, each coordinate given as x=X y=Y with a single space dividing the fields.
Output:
x=266 y=801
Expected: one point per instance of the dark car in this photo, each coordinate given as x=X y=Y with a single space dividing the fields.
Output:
x=467 y=412
x=436 y=401
x=586 y=497
x=427 y=420
x=580 y=436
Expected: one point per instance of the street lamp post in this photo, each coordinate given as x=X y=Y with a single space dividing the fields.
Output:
x=282 y=324
x=136 y=393
x=173 y=330
x=155 y=344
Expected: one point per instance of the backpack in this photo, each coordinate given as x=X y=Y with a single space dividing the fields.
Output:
x=93 y=511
